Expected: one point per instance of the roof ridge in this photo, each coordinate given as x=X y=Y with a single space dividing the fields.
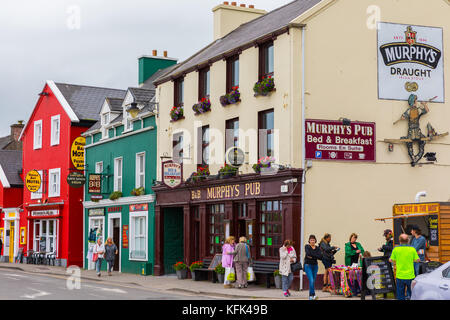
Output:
x=87 y=86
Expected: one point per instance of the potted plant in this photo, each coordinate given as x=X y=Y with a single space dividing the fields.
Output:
x=194 y=266
x=138 y=191
x=176 y=113
x=201 y=174
x=264 y=165
x=115 y=195
x=227 y=171
x=277 y=277
x=231 y=98
x=202 y=106
x=220 y=270
x=181 y=270
x=264 y=87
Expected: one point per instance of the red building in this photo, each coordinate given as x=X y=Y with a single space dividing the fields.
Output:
x=55 y=212
x=13 y=224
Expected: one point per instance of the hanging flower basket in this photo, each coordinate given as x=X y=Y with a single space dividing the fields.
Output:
x=231 y=98
x=264 y=164
x=177 y=113
x=264 y=87
x=227 y=171
x=202 y=106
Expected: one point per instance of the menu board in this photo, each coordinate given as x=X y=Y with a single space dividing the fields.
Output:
x=433 y=222
x=377 y=277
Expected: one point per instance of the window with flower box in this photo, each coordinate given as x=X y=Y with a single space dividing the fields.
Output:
x=216 y=228
x=266 y=133
x=232 y=73
x=266 y=60
x=270 y=228
x=203 y=147
x=179 y=92
x=231 y=133
x=203 y=83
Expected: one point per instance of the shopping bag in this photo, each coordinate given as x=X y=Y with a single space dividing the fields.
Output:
x=230 y=275
x=94 y=257
x=250 y=274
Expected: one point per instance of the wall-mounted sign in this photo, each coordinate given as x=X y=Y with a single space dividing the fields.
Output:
x=139 y=207
x=76 y=179
x=77 y=152
x=33 y=181
x=172 y=174
x=433 y=223
x=96 y=212
x=420 y=208
x=332 y=140
x=23 y=235
x=232 y=191
x=95 y=183
x=44 y=213
x=235 y=157
x=410 y=59
x=96 y=197
x=125 y=236
x=114 y=209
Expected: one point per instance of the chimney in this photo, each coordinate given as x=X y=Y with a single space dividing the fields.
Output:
x=229 y=17
x=16 y=130
x=148 y=65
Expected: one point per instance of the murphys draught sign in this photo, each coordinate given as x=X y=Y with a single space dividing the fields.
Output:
x=410 y=60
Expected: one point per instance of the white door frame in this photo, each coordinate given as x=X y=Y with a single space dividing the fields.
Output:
x=91 y=265
x=111 y=216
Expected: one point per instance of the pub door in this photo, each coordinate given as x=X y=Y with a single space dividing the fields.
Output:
x=196 y=219
x=116 y=240
x=173 y=250
x=240 y=221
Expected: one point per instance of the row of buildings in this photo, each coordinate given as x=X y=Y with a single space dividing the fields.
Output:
x=315 y=88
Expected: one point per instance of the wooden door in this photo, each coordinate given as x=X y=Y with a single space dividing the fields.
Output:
x=116 y=240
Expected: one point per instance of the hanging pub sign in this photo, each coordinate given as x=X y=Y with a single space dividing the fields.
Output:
x=410 y=60
x=77 y=152
x=33 y=181
x=334 y=140
x=172 y=173
x=95 y=183
x=76 y=179
x=235 y=157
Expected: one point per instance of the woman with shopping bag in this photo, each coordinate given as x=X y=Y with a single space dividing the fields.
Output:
x=241 y=260
x=288 y=256
x=227 y=260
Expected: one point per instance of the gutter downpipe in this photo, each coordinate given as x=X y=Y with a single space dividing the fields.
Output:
x=302 y=222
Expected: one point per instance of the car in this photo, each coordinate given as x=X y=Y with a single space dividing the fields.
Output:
x=434 y=285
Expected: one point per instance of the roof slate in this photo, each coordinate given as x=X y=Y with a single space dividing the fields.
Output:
x=11 y=162
x=87 y=101
x=244 y=34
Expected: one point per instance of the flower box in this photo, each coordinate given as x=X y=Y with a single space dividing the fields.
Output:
x=264 y=87
x=177 y=113
x=201 y=174
x=264 y=165
x=227 y=171
x=231 y=98
x=202 y=106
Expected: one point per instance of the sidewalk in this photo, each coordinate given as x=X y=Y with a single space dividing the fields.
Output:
x=170 y=283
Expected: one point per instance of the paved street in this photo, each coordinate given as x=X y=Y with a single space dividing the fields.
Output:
x=20 y=285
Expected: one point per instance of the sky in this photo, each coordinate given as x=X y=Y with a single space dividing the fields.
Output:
x=93 y=42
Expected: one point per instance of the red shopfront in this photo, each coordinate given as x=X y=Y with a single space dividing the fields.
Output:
x=192 y=221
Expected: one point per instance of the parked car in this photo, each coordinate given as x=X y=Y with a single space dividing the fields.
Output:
x=432 y=286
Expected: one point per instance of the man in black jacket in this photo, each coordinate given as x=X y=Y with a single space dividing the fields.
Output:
x=389 y=246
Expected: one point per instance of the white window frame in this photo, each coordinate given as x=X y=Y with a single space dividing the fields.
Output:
x=118 y=187
x=91 y=265
x=99 y=165
x=140 y=171
x=54 y=236
x=55 y=130
x=51 y=173
x=128 y=122
x=38 y=194
x=104 y=123
x=37 y=139
x=134 y=215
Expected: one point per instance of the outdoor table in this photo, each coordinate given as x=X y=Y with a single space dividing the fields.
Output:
x=345 y=280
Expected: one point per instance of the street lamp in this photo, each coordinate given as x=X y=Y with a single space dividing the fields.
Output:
x=133 y=110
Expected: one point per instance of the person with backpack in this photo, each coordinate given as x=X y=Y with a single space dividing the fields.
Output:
x=328 y=253
x=242 y=258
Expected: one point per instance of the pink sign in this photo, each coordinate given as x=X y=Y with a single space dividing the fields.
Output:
x=333 y=140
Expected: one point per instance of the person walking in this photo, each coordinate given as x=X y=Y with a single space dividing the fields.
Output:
x=110 y=254
x=328 y=253
x=241 y=261
x=312 y=254
x=99 y=249
x=420 y=244
x=227 y=255
x=1 y=246
x=353 y=250
x=404 y=257
x=387 y=248
x=287 y=257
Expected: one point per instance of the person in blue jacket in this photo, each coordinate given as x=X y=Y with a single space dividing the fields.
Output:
x=420 y=244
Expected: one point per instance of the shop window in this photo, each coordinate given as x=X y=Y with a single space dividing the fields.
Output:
x=44 y=238
x=178 y=92
x=55 y=130
x=54 y=182
x=203 y=83
x=266 y=60
x=177 y=147
x=231 y=133
x=138 y=236
x=37 y=138
x=140 y=170
x=270 y=228
x=232 y=72
x=216 y=228
x=266 y=133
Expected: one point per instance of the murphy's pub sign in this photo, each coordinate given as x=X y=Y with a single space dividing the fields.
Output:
x=172 y=173
x=410 y=60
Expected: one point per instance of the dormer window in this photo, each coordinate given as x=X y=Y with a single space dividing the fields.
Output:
x=106 y=118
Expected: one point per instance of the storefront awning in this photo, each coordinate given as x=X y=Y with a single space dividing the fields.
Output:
x=405 y=216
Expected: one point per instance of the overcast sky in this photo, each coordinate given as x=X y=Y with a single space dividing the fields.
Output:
x=93 y=42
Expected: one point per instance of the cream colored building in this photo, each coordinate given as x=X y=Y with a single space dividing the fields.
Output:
x=327 y=53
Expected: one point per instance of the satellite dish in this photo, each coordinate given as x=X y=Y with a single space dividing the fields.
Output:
x=235 y=157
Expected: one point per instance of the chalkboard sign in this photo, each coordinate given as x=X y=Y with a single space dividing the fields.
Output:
x=433 y=222
x=377 y=277
x=215 y=261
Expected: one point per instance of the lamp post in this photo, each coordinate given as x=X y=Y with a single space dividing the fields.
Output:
x=133 y=110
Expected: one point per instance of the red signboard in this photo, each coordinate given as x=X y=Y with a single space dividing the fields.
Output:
x=125 y=236
x=334 y=140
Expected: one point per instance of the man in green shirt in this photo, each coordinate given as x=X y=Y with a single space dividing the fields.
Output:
x=404 y=257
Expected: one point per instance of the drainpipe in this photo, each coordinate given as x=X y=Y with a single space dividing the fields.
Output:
x=420 y=194
x=302 y=225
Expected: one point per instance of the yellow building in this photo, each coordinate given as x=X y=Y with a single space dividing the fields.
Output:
x=327 y=62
